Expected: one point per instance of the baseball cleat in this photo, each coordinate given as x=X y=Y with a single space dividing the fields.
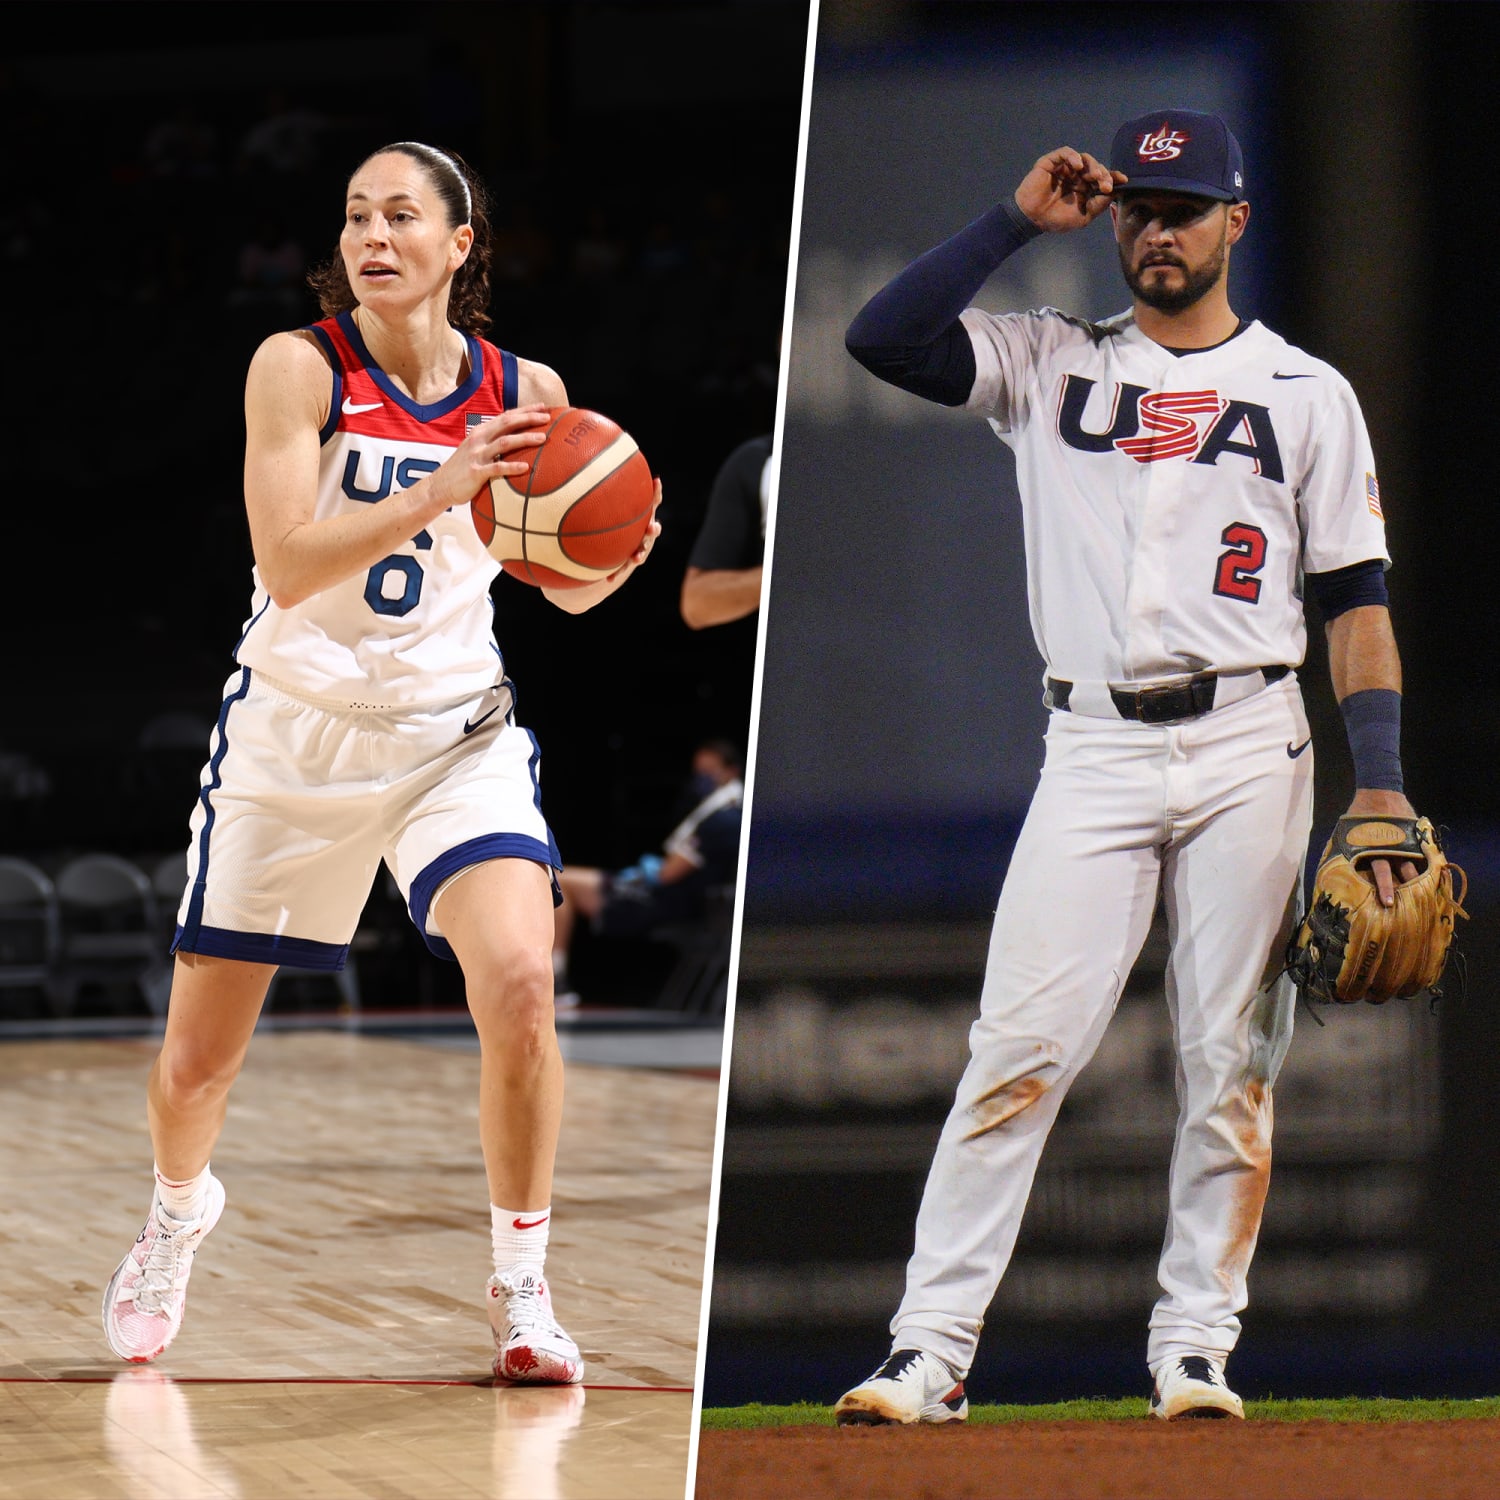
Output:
x=530 y=1346
x=146 y=1297
x=911 y=1386
x=1192 y=1386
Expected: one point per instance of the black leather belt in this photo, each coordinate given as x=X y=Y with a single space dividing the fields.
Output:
x=1160 y=705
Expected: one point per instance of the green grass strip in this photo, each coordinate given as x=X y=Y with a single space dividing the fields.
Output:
x=1100 y=1409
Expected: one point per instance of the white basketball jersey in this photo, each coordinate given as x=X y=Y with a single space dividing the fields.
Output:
x=1172 y=501
x=418 y=627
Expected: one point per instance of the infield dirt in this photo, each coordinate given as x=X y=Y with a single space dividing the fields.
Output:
x=1455 y=1460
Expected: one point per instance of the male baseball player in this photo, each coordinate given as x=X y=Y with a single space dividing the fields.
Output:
x=1182 y=473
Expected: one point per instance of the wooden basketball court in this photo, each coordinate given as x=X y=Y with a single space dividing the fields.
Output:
x=336 y=1341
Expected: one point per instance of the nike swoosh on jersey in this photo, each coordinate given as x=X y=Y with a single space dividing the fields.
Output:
x=351 y=409
x=1277 y=375
x=470 y=728
x=1293 y=754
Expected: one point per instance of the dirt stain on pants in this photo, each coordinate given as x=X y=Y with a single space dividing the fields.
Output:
x=1248 y=1115
x=997 y=1105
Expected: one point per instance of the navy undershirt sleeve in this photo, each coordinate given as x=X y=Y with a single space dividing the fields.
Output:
x=908 y=333
x=1343 y=589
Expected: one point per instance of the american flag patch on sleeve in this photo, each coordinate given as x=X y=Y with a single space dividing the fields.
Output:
x=1372 y=495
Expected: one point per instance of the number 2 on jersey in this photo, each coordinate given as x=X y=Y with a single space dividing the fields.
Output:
x=1238 y=566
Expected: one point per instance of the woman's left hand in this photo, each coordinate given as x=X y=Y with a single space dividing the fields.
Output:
x=575 y=601
x=647 y=541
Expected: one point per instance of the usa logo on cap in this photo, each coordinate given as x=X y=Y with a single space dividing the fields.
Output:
x=1161 y=144
x=1181 y=151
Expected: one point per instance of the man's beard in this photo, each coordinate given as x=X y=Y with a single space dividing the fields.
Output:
x=1168 y=299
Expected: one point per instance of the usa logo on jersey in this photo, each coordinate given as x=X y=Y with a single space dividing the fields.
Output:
x=1149 y=426
x=1161 y=144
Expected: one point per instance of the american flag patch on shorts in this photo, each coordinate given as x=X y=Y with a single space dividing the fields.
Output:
x=1372 y=495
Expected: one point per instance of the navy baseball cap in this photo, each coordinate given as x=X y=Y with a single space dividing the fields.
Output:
x=1180 y=150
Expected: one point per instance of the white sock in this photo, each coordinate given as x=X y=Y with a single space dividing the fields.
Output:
x=183 y=1200
x=519 y=1237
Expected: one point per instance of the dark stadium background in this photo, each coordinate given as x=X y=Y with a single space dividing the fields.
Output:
x=900 y=727
x=641 y=158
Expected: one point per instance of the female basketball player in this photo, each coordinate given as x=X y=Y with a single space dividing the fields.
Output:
x=370 y=719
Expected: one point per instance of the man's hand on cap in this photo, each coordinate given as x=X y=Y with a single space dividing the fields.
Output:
x=1067 y=189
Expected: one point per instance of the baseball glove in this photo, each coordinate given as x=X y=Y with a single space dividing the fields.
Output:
x=1349 y=947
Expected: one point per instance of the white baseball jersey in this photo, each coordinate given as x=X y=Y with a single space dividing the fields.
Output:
x=1172 y=501
x=417 y=628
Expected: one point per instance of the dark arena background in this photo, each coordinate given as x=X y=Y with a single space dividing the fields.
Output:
x=900 y=732
x=177 y=170
x=186 y=166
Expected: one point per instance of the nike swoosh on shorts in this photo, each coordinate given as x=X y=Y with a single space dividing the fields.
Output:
x=1277 y=375
x=1293 y=754
x=470 y=728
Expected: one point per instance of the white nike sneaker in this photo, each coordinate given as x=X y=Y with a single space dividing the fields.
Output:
x=1193 y=1386
x=145 y=1298
x=910 y=1386
x=530 y=1346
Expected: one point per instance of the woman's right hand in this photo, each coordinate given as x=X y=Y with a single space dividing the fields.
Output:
x=494 y=449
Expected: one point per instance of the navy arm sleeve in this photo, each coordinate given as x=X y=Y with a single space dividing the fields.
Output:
x=908 y=333
x=1344 y=589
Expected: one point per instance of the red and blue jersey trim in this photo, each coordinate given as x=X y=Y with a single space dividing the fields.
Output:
x=368 y=402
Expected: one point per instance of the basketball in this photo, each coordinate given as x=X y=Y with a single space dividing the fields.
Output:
x=580 y=509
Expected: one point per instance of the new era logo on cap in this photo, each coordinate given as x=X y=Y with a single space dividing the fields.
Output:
x=1182 y=150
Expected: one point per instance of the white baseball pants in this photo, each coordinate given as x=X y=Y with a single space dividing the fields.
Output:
x=1215 y=812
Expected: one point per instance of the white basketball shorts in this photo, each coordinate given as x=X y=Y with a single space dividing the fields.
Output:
x=300 y=802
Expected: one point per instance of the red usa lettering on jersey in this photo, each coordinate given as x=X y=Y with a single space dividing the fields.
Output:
x=1168 y=419
x=1149 y=426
